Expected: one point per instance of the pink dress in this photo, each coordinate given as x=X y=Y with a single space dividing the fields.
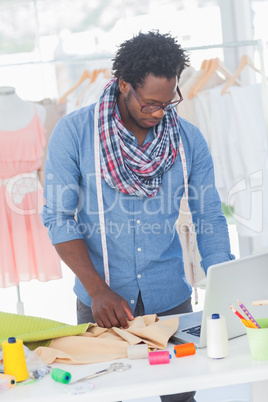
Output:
x=25 y=249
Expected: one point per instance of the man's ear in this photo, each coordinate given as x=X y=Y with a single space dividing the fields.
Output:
x=123 y=86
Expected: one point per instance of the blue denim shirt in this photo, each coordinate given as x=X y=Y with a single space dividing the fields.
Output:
x=144 y=250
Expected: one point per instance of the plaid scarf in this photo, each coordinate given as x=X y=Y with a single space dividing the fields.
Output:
x=133 y=169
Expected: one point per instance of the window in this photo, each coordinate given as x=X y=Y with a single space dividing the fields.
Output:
x=45 y=45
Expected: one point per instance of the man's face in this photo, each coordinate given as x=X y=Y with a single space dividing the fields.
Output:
x=155 y=91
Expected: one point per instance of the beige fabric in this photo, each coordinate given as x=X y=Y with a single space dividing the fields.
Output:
x=101 y=344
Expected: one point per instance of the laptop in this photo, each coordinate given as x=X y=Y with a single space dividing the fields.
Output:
x=244 y=279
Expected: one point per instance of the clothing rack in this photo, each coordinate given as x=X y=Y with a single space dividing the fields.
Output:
x=232 y=45
x=257 y=42
x=69 y=60
x=106 y=57
x=246 y=244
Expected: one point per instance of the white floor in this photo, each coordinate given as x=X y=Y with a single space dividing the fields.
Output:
x=55 y=300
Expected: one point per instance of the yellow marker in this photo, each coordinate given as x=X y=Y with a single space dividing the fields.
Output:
x=249 y=324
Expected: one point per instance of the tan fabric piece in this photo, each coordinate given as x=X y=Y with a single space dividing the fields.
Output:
x=101 y=344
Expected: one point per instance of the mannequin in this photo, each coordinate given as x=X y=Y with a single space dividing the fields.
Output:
x=26 y=252
x=16 y=113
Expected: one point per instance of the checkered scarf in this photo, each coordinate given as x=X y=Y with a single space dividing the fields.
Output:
x=133 y=169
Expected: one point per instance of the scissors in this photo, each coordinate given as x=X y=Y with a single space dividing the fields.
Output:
x=113 y=367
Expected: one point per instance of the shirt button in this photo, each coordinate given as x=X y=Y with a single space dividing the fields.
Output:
x=139 y=276
x=138 y=221
x=132 y=301
x=139 y=249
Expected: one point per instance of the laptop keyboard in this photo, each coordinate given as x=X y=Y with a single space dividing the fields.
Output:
x=193 y=330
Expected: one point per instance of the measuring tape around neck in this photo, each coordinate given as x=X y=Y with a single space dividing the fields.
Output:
x=99 y=195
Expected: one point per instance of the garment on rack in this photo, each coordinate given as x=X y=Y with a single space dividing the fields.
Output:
x=93 y=91
x=186 y=110
x=213 y=118
x=90 y=94
x=26 y=252
x=189 y=77
x=54 y=112
x=235 y=128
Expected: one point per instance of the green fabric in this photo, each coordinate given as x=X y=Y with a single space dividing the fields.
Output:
x=35 y=331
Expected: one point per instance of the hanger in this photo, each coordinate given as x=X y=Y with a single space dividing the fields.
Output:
x=210 y=68
x=204 y=66
x=86 y=74
x=94 y=76
x=244 y=61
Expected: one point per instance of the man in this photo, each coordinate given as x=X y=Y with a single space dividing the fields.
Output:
x=123 y=247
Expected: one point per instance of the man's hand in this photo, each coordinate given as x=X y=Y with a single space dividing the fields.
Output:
x=111 y=310
x=108 y=308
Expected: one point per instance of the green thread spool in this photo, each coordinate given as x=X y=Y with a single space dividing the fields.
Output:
x=61 y=375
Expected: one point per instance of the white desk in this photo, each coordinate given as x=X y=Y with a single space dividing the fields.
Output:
x=142 y=380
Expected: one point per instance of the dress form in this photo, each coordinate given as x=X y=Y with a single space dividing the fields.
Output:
x=22 y=137
x=15 y=112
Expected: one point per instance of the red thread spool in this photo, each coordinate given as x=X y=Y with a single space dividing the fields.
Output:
x=185 y=349
x=159 y=357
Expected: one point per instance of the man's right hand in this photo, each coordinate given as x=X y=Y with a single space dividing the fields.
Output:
x=110 y=310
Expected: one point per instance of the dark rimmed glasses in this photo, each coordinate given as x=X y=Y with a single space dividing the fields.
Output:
x=154 y=108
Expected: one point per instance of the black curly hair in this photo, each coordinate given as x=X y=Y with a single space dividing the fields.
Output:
x=149 y=53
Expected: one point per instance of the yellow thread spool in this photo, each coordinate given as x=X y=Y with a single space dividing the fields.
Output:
x=14 y=359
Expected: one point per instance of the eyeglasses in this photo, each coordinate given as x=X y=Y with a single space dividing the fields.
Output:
x=154 y=108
